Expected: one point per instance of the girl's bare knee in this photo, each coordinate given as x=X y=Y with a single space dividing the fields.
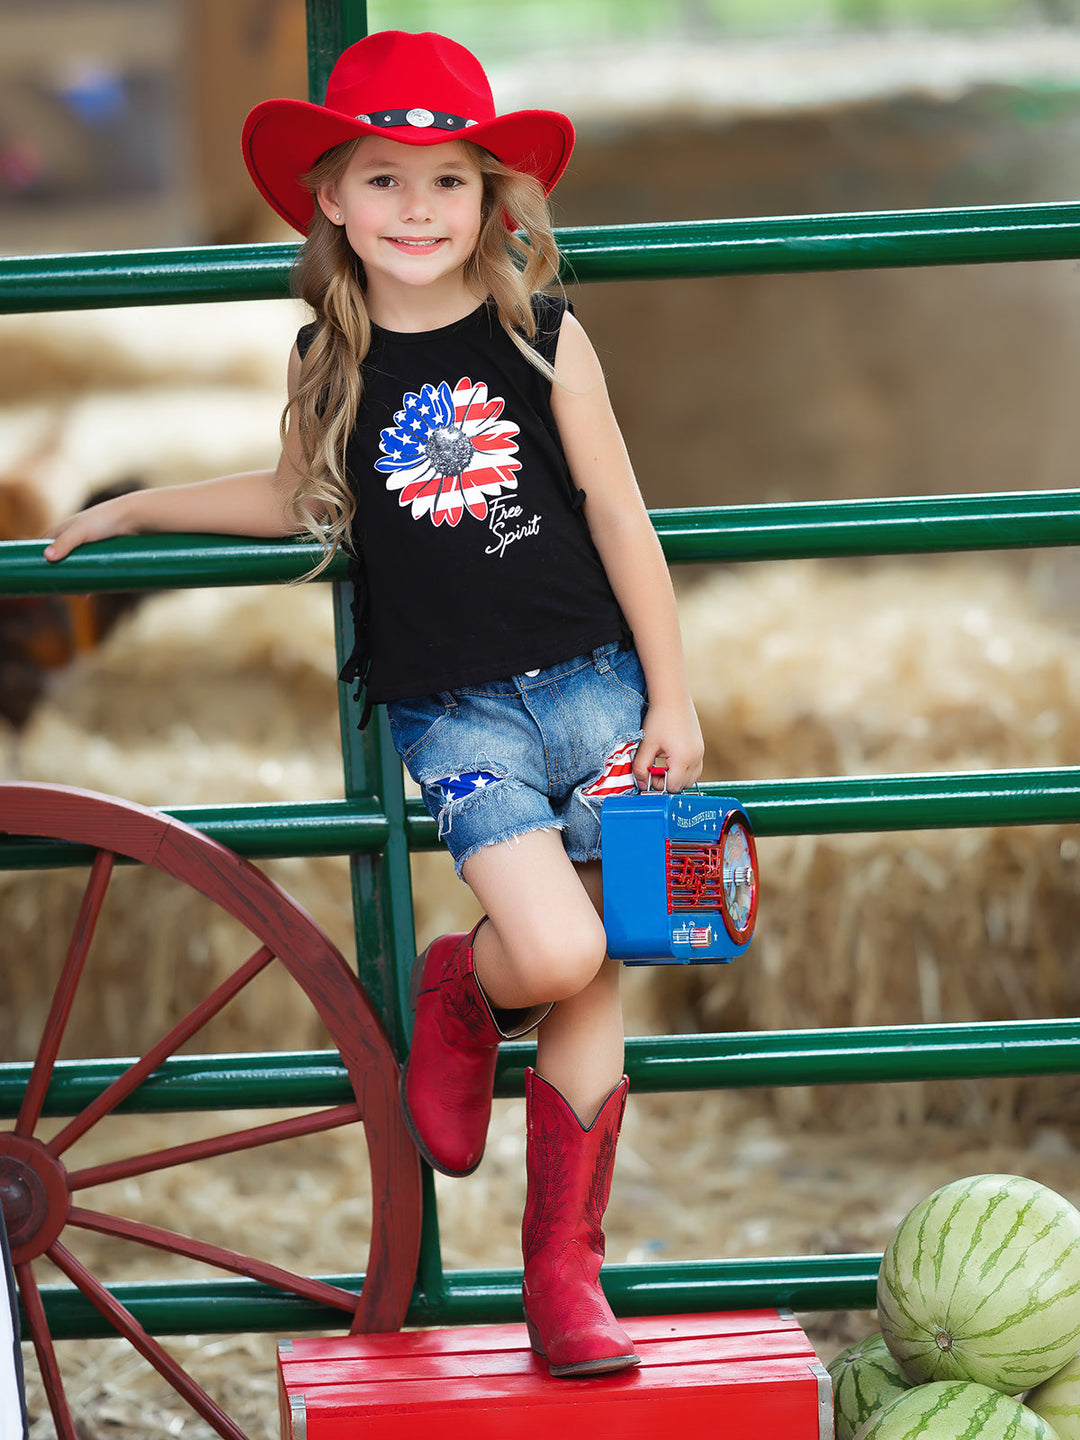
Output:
x=563 y=961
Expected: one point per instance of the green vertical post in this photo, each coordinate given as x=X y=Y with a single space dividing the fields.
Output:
x=332 y=25
x=382 y=890
x=382 y=902
x=381 y=884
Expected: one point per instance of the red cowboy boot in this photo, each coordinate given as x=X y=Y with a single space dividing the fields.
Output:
x=569 y=1179
x=449 y=1075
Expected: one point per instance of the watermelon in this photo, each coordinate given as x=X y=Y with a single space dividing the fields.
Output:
x=955 y=1410
x=865 y=1377
x=981 y=1281
x=1057 y=1400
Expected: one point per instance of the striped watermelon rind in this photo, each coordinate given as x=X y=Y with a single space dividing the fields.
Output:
x=981 y=1281
x=955 y=1410
x=865 y=1377
x=1057 y=1400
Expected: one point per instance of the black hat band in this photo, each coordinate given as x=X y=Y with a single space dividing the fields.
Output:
x=418 y=118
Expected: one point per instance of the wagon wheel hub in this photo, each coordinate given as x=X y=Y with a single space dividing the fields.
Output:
x=33 y=1196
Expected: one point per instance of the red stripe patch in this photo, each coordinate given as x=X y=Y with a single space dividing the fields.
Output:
x=617 y=776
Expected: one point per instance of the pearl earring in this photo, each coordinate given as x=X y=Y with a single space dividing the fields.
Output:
x=337 y=217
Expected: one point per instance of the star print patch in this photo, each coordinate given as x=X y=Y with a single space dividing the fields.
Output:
x=457 y=787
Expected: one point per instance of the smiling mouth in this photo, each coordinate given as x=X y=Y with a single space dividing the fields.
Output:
x=411 y=244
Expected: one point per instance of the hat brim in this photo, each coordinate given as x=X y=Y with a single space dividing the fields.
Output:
x=282 y=140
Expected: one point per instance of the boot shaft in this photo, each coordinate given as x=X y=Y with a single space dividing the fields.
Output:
x=465 y=1009
x=569 y=1168
x=449 y=1074
x=466 y=1014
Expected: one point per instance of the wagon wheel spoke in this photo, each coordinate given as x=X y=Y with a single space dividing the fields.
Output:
x=63 y=997
x=135 y=1074
x=46 y=1354
x=122 y=1319
x=228 y=1144
x=160 y=1239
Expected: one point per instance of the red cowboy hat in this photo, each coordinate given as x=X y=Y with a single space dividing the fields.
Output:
x=419 y=89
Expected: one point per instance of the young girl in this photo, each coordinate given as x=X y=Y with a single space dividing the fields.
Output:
x=448 y=424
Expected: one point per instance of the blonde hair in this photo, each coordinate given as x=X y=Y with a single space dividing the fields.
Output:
x=330 y=277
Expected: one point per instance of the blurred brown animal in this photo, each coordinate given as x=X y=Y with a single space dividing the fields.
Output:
x=43 y=633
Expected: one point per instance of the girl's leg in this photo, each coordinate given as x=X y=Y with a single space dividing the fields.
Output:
x=471 y=992
x=545 y=941
x=579 y=1047
x=586 y=1073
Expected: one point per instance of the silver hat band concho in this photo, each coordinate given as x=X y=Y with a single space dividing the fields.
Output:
x=419 y=118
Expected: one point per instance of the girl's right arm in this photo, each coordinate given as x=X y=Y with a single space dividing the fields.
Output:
x=253 y=502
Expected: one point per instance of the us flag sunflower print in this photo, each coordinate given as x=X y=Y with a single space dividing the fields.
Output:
x=449 y=451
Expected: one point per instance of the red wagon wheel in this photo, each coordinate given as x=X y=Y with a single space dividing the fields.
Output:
x=38 y=1192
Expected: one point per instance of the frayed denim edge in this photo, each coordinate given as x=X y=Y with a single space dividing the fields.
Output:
x=511 y=835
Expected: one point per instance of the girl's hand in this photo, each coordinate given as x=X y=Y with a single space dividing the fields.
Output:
x=99 y=522
x=248 y=503
x=671 y=738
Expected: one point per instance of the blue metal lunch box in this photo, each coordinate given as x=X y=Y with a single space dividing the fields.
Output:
x=680 y=878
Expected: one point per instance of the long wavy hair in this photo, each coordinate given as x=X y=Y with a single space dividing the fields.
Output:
x=505 y=265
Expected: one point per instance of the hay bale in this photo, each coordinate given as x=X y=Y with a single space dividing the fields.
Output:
x=827 y=668
x=197 y=698
x=253 y=668
x=172 y=393
x=67 y=353
x=824 y=669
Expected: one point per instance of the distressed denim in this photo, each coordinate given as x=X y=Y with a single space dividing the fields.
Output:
x=537 y=751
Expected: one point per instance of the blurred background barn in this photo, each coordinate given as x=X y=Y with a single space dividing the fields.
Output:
x=118 y=129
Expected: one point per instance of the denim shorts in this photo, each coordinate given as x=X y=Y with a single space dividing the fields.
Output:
x=538 y=751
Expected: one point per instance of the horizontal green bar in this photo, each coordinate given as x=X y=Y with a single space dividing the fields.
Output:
x=99 y=279
x=830 y=1282
x=654 y=1063
x=854 y=1056
x=790 y=243
x=869 y=1054
x=271 y=831
x=798 y=1282
x=289 y=1078
x=758 y=245
x=927 y=524
x=820 y=806
x=194 y=1307
x=869 y=803
x=259 y=831
x=907 y=526
x=158 y=562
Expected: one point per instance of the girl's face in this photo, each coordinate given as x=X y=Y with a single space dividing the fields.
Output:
x=412 y=213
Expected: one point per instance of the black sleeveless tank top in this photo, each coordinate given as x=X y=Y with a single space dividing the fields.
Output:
x=474 y=561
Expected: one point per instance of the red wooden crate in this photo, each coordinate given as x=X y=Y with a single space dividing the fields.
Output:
x=744 y=1374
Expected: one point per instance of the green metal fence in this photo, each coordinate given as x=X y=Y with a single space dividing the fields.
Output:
x=378 y=827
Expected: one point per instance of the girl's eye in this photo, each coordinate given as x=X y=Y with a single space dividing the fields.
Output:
x=383 y=182
x=450 y=182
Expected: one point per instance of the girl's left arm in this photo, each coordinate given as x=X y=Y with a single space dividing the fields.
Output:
x=630 y=551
